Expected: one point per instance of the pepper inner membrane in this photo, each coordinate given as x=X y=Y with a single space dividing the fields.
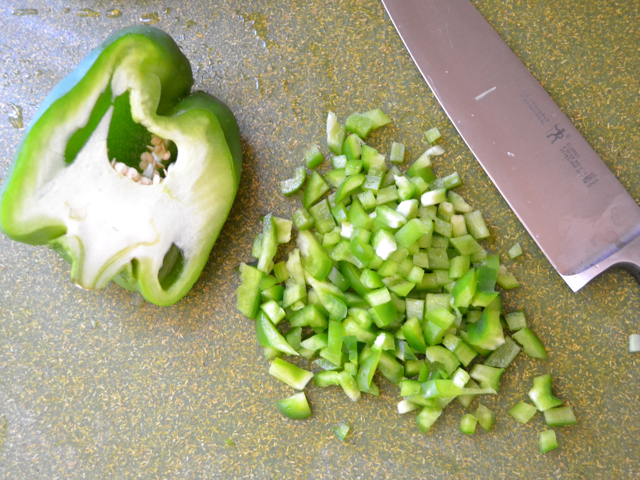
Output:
x=127 y=141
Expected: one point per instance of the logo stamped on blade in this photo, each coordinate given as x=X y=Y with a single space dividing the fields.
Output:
x=556 y=133
x=558 y=136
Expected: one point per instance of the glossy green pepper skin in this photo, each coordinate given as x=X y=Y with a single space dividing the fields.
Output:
x=63 y=190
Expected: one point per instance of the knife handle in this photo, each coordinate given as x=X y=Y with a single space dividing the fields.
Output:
x=628 y=257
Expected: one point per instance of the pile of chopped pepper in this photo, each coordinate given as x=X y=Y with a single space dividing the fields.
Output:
x=389 y=276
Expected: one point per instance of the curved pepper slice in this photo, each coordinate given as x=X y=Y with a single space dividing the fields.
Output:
x=76 y=182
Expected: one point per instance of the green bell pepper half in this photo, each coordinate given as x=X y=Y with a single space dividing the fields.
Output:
x=64 y=190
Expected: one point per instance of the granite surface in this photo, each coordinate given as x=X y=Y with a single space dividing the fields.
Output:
x=106 y=385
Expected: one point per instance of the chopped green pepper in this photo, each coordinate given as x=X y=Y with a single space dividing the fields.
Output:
x=84 y=182
x=522 y=412
x=294 y=407
x=547 y=441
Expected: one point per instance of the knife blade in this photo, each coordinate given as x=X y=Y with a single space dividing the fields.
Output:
x=575 y=209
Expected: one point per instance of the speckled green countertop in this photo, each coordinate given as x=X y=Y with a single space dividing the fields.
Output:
x=105 y=385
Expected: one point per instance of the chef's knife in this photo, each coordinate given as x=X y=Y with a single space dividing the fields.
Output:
x=575 y=209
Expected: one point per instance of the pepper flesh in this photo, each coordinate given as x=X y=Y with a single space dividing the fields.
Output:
x=62 y=190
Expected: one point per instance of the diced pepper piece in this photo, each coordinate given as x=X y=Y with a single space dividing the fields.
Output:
x=397 y=153
x=339 y=162
x=432 y=135
x=458 y=227
x=384 y=243
x=314 y=259
x=487 y=332
x=547 y=441
x=349 y=185
x=459 y=204
x=413 y=334
x=389 y=217
x=302 y=219
x=444 y=357
x=295 y=292
x=503 y=355
x=290 y=374
x=530 y=343
x=468 y=424
x=464 y=289
x=335 y=134
x=283 y=229
x=322 y=216
x=438 y=322
x=421 y=166
x=248 y=293
x=390 y=368
x=267 y=282
x=466 y=245
x=387 y=194
x=487 y=376
x=352 y=274
x=371 y=279
x=522 y=412
x=541 y=394
x=294 y=407
x=409 y=210
x=292 y=185
x=316 y=187
x=411 y=232
x=339 y=213
x=458 y=266
x=326 y=365
x=448 y=182
x=476 y=225
x=374 y=162
x=378 y=118
x=516 y=320
x=359 y=124
x=273 y=311
x=560 y=416
x=460 y=349
x=316 y=342
x=312 y=157
x=269 y=336
x=338 y=279
x=269 y=244
x=487 y=274
x=341 y=431
x=275 y=292
x=515 y=251
x=353 y=167
x=433 y=197
x=506 y=280
x=427 y=417
x=335 y=177
x=486 y=417
x=333 y=351
x=409 y=387
x=405 y=188
x=368 y=367
x=280 y=271
x=308 y=316
x=362 y=251
x=406 y=406
x=352 y=147
x=460 y=377
x=465 y=400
